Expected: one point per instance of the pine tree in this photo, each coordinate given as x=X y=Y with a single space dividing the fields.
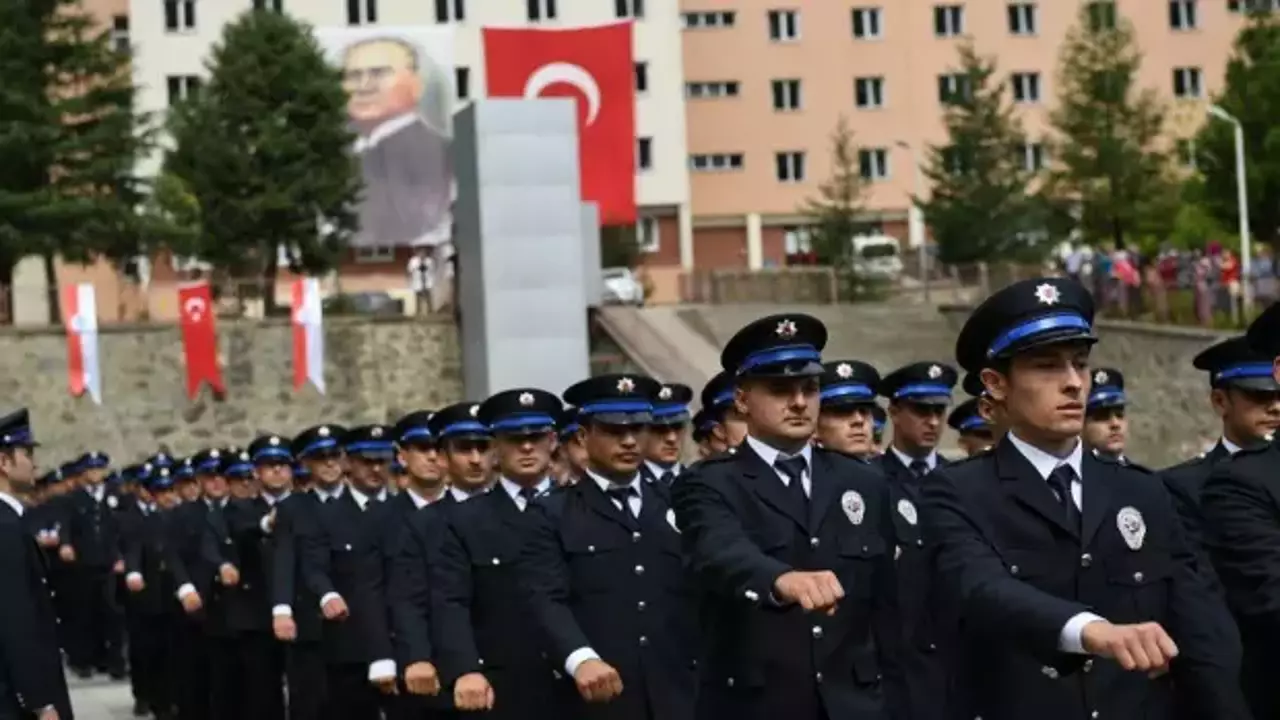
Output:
x=69 y=140
x=980 y=205
x=263 y=149
x=1111 y=173
x=838 y=211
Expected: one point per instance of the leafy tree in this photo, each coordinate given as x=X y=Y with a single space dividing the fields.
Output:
x=264 y=151
x=1111 y=173
x=1252 y=95
x=837 y=210
x=980 y=205
x=69 y=140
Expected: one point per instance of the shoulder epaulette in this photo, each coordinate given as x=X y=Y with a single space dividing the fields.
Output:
x=1123 y=462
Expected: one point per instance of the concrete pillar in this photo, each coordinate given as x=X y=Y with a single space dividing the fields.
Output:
x=755 y=242
x=31 y=293
x=685 y=221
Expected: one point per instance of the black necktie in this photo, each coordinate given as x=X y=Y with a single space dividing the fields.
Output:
x=793 y=468
x=1060 y=482
x=667 y=478
x=622 y=496
x=919 y=468
x=528 y=494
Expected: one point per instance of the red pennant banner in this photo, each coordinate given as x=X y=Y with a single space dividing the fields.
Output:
x=199 y=338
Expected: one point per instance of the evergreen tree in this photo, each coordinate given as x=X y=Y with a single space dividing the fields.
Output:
x=980 y=205
x=838 y=211
x=1252 y=95
x=1111 y=174
x=69 y=140
x=264 y=151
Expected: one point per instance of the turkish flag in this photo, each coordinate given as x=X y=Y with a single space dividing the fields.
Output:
x=593 y=64
x=199 y=338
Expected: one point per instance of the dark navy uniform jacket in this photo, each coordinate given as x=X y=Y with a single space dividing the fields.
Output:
x=1020 y=573
x=1241 y=504
x=741 y=532
x=1185 y=482
x=92 y=528
x=602 y=579
x=295 y=519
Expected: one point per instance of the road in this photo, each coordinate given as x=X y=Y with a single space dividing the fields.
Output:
x=101 y=699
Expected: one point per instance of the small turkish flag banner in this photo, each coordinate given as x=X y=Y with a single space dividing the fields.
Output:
x=80 y=317
x=308 y=334
x=593 y=64
x=199 y=338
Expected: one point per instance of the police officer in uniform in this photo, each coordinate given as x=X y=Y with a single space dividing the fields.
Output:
x=151 y=599
x=665 y=439
x=846 y=420
x=464 y=444
x=1106 y=427
x=1242 y=531
x=1247 y=398
x=792 y=547
x=701 y=433
x=1075 y=585
x=418 y=455
x=974 y=430
x=727 y=425
x=32 y=684
x=575 y=455
x=919 y=395
x=607 y=583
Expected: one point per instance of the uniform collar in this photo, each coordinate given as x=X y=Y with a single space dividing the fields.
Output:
x=931 y=460
x=384 y=131
x=361 y=499
x=97 y=492
x=769 y=454
x=1229 y=446
x=12 y=502
x=273 y=500
x=461 y=495
x=1043 y=462
x=606 y=485
x=658 y=470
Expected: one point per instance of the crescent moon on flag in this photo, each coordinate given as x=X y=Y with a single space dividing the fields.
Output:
x=569 y=74
x=194 y=307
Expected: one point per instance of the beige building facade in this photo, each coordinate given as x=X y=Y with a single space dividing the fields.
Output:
x=768 y=80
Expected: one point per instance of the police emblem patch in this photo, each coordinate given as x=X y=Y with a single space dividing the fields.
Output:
x=907 y=510
x=526 y=399
x=854 y=507
x=112 y=502
x=1048 y=294
x=844 y=370
x=1132 y=527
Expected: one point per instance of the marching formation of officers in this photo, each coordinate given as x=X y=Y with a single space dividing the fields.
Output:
x=539 y=556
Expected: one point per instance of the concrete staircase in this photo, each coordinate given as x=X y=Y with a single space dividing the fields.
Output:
x=662 y=344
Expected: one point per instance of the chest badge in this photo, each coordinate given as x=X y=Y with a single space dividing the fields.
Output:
x=112 y=502
x=1132 y=527
x=907 y=510
x=854 y=507
x=671 y=519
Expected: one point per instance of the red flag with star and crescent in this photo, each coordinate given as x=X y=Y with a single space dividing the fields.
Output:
x=199 y=338
x=594 y=65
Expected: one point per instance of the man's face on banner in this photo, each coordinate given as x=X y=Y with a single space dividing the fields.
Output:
x=381 y=79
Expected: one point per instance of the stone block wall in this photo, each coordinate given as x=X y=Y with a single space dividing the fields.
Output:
x=376 y=370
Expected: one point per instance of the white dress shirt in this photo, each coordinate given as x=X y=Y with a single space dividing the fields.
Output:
x=658 y=470
x=1071 y=638
x=420 y=502
x=769 y=454
x=930 y=460
x=97 y=492
x=1229 y=446
x=513 y=490
x=13 y=502
x=461 y=495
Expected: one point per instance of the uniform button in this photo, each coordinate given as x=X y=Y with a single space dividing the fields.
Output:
x=919 y=542
x=639 y=569
x=932 y=646
x=1088 y=665
x=644 y=641
x=751 y=595
x=1013 y=569
x=640 y=606
x=591 y=548
x=1137 y=577
x=1086 y=560
x=865 y=549
x=348 y=548
x=1094 y=715
x=814 y=542
x=729 y=682
x=247 y=586
x=1049 y=672
x=480 y=661
x=496 y=561
x=817 y=677
x=817 y=632
x=635 y=537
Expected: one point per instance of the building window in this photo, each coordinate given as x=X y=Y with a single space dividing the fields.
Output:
x=1102 y=15
x=797 y=243
x=1026 y=87
x=275 y=6
x=711 y=89
x=1182 y=15
x=1033 y=157
x=539 y=10
x=873 y=164
x=868 y=92
x=451 y=11
x=120 y=33
x=642 y=76
x=786 y=94
x=648 y=237
x=953 y=87
x=1246 y=6
x=1186 y=82
x=644 y=153
x=789 y=166
x=719 y=19
x=181 y=87
x=362 y=12
x=628 y=9
x=179 y=15
x=1187 y=153
x=372 y=255
x=866 y=23
x=716 y=162
x=948 y=20
x=784 y=25
x=462 y=82
x=1023 y=18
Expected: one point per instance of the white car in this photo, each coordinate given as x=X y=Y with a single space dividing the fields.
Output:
x=622 y=287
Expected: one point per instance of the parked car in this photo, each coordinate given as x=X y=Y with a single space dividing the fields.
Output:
x=622 y=287
x=876 y=257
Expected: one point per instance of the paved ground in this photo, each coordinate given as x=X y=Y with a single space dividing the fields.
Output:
x=101 y=699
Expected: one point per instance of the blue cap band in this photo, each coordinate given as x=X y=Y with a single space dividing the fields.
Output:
x=185 y=472
x=523 y=422
x=416 y=433
x=1061 y=321
x=1245 y=370
x=19 y=436
x=878 y=425
x=856 y=391
x=616 y=406
x=208 y=466
x=973 y=422
x=1111 y=395
x=273 y=453
x=666 y=411
x=471 y=427
x=723 y=398
x=318 y=445
x=370 y=446
x=240 y=468
x=776 y=355
x=570 y=429
x=922 y=390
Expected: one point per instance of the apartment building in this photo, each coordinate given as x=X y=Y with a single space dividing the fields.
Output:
x=767 y=80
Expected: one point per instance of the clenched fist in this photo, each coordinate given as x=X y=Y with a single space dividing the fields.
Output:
x=597 y=681
x=473 y=692
x=67 y=553
x=284 y=628
x=1145 y=647
x=819 y=590
x=335 y=609
x=421 y=678
x=192 y=603
x=228 y=575
x=135 y=583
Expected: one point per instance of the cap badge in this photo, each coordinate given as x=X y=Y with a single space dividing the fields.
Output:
x=146 y=467
x=786 y=329
x=935 y=372
x=214 y=454
x=324 y=431
x=664 y=393
x=844 y=370
x=1101 y=377
x=1048 y=294
x=244 y=457
x=376 y=432
x=475 y=410
x=273 y=441
x=626 y=385
x=526 y=399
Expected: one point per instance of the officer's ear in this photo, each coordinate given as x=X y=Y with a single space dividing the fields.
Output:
x=1220 y=398
x=7 y=462
x=996 y=381
x=740 y=397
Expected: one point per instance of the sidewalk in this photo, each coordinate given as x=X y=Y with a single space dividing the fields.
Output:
x=100 y=699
